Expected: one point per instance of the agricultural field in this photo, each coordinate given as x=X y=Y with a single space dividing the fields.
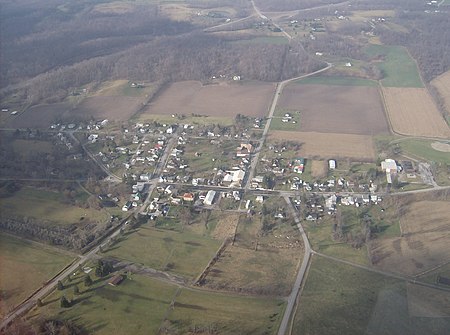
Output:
x=425 y=234
x=429 y=150
x=223 y=99
x=329 y=145
x=42 y=116
x=413 y=112
x=47 y=206
x=338 y=298
x=442 y=84
x=340 y=108
x=25 y=266
x=182 y=253
x=397 y=66
x=123 y=88
x=208 y=312
x=258 y=262
x=113 y=108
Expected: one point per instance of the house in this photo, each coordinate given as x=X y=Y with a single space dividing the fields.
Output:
x=127 y=206
x=244 y=150
x=188 y=197
x=366 y=198
x=259 y=199
x=311 y=217
x=116 y=280
x=331 y=164
x=209 y=199
x=298 y=165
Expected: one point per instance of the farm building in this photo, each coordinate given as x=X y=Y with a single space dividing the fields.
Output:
x=332 y=164
x=389 y=165
x=209 y=199
x=116 y=280
x=443 y=280
x=244 y=150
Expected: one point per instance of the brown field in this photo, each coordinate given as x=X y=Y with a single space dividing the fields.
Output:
x=270 y=272
x=327 y=145
x=187 y=97
x=118 y=108
x=442 y=84
x=226 y=227
x=412 y=112
x=319 y=169
x=41 y=116
x=424 y=243
x=336 y=109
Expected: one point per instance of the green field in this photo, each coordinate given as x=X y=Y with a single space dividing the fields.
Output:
x=397 y=66
x=47 y=206
x=341 y=299
x=137 y=306
x=24 y=266
x=338 y=81
x=278 y=124
x=224 y=314
x=182 y=253
x=422 y=149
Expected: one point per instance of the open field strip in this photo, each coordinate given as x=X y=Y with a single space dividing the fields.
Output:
x=24 y=267
x=442 y=84
x=413 y=112
x=327 y=145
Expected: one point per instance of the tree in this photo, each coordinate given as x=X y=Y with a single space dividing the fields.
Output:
x=76 y=290
x=103 y=268
x=64 y=302
x=87 y=280
x=60 y=285
x=39 y=303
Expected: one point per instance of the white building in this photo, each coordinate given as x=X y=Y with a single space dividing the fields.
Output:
x=209 y=199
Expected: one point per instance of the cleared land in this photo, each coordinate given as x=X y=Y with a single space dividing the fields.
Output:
x=336 y=108
x=42 y=116
x=397 y=66
x=319 y=169
x=424 y=243
x=442 y=84
x=47 y=206
x=412 y=112
x=24 y=266
x=191 y=97
x=207 y=312
x=182 y=253
x=117 y=108
x=340 y=299
x=327 y=145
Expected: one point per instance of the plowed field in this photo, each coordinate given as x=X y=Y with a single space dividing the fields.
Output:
x=330 y=145
x=412 y=112
x=442 y=84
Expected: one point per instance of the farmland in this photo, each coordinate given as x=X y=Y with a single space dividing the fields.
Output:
x=442 y=84
x=182 y=253
x=117 y=108
x=47 y=206
x=425 y=235
x=338 y=298
x=336 y=108
x=42 y=116
x=397 y=66
x=224 y=100
x=326 y=145
x=413 y=112
x=24 y=267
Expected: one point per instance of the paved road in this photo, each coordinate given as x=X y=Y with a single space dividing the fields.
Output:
x=292 y=299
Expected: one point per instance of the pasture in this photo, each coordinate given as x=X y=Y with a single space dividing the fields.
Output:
x=47 y=206
x=341 y=299
x=425 y=230
x=340 y=108
x=182 y=253
x=222 y=100
x=327 y=145
x=197 y=312
x=413 y=112
x=397 y=66
x=424 y=150
x=25 y=265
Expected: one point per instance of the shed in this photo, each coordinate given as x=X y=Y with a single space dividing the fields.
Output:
x=116 y=280
x=332 y=164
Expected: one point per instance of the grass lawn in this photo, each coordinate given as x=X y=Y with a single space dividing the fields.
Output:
x=182 y=253
x=338 y=81
x=47 y=206
x=341 y=299
x=24 y=266
x=224 y=314
x=422 y=149
x=397 y=66
x=137 y=306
